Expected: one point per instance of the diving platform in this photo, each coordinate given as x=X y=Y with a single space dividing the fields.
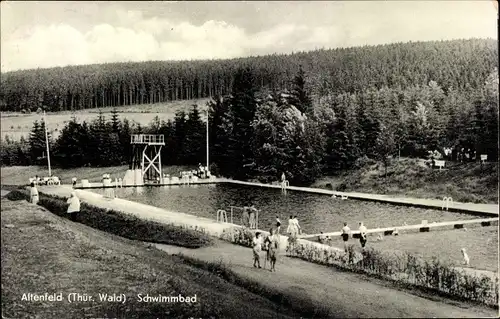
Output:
x=146 y=159
x=148 y=139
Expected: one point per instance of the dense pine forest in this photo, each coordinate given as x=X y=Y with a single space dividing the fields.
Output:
x=306 y=114
x=460 y=64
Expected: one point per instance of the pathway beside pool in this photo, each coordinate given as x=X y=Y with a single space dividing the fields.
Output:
x=160 y=215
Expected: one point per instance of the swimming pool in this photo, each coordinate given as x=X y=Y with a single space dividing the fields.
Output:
x=315 y=212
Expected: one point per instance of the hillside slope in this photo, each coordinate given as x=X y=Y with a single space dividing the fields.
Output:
x=464 y=182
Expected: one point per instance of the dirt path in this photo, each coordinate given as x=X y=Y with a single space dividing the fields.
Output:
x=348 y=295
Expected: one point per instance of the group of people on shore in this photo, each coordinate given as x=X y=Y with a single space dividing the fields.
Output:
x=203 y=171
x=250 y=216
x=346 y=234
x=270 y=245
x=73 y=202
x=293 y=229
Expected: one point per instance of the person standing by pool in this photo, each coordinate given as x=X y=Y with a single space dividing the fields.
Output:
x=33 y=194
x=245 y=218
x=291 y=229
x=73 y=180
x=272 y=242
x=296 y=223
x=256 y=248
x=109 y=191
x=345 y=235
x=362 y=234
x=322 y=238
x=278 y=224
x=74 y=206
x=252 y=217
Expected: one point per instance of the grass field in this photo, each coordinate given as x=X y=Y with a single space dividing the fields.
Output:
x=464 y=182
x=17 y=124
x=481 y=244
x=19 y=175
x=43 y=253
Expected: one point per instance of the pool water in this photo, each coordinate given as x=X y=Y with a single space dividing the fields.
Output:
x=315 y=212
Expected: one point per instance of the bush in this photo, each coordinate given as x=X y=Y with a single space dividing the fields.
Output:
x=124 y=225
x=238 y=235
x=408 y=269
x=17 y=195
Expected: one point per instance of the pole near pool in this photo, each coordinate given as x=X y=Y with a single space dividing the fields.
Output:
x=47 y=143
x=207 y=141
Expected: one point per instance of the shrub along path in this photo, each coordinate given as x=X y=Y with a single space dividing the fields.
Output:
x=351 y=294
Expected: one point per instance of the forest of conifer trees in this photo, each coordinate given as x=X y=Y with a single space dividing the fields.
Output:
x=306 y=114
x=459 y=64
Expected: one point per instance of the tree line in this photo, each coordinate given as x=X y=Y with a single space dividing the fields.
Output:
x=260 y=133
x=458 y=64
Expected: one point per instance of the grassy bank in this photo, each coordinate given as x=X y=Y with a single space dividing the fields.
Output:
x=464 y=182
x=121 y=224
x=42 y=253
x=481 y=244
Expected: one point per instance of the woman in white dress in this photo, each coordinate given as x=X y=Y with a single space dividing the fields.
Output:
x=296 y=223
x=291 y=229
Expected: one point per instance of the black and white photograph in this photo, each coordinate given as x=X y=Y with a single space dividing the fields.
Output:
x=249 y=159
